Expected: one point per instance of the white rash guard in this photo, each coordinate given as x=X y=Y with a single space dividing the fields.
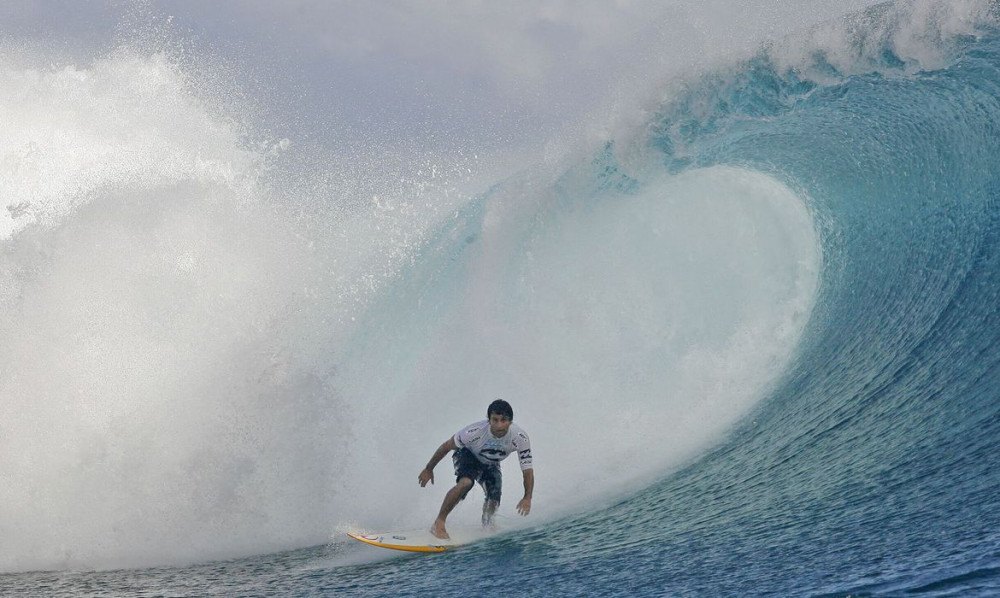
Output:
x=491 y=450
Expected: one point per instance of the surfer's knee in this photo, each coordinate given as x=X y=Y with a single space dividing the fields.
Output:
x=464 y=485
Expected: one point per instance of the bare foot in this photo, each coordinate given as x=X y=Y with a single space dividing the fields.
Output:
x=438 y=530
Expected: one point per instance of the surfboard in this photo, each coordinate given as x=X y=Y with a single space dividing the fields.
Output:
x=420 y=540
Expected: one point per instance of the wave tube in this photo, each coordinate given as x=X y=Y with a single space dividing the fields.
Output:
x=629 y=328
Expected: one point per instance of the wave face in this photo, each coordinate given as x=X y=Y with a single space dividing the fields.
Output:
x=868 y=469
x=756 y=349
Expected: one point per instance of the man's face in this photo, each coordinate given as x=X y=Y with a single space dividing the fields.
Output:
x=498 y=424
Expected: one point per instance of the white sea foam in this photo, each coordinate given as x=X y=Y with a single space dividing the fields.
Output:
x=920 y=35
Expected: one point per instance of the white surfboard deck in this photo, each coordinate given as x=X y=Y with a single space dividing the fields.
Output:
x=422 y=540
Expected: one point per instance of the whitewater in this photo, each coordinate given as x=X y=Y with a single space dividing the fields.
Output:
x=735 y=269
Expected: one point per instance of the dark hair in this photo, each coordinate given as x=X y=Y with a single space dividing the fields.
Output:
x=500 y=407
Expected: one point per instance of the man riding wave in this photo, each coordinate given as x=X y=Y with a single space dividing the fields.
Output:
x=479 y=449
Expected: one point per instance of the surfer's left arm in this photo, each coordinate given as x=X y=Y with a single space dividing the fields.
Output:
x=524 y=507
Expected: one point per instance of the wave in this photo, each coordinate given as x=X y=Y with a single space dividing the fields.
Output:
x=168 y=325
x=754 y=329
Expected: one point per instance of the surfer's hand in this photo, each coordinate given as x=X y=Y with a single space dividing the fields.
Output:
x=425 y=476
x=524 y=507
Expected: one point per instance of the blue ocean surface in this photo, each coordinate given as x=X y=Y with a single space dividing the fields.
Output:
x=861 y=279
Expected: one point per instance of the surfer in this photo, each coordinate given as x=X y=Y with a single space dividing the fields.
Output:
x=479 y=449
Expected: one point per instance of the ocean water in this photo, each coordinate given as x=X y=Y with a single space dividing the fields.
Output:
x=743 y=297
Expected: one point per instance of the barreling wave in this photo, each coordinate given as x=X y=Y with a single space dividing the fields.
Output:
x=760 y=347
x=185 y=310
x=867 y=468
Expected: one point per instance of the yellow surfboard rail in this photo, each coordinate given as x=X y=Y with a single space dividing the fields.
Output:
x=380 y=541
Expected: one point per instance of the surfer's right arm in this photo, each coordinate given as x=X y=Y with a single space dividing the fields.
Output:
x=427 y=475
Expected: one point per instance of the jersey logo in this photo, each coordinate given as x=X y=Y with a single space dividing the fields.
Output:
x=493 y=454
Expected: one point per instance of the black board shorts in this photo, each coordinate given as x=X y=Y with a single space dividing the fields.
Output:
x=488 y=476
